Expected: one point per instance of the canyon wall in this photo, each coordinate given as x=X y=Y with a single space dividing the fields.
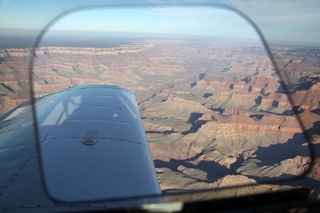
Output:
x=212 y=112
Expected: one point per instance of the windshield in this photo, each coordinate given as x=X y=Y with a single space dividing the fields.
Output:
x=213 y=107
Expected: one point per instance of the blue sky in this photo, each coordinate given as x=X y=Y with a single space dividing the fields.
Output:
x=293 y=20
x=197 y=21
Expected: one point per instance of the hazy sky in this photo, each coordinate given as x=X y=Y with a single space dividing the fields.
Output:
x=293 y=21
x=196 y=21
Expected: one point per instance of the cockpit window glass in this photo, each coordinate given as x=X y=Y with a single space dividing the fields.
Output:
x=215 y=111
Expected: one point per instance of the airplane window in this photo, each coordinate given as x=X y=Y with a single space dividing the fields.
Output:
x=213 y=108
x=195 y=86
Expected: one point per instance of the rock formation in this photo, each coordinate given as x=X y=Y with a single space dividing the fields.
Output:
x=215 y=115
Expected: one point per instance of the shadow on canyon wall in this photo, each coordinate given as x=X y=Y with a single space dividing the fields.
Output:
x=268 y=156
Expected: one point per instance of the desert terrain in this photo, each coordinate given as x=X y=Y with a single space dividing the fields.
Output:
x=215 y=114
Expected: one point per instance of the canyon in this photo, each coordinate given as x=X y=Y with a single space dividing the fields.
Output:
x=215 y=114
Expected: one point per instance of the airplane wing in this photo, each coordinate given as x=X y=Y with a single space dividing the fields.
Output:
x=91 y=145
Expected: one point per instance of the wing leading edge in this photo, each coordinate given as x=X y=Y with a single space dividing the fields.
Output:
x=92 y=146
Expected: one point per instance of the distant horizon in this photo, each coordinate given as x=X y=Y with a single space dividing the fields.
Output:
x=13 y=38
